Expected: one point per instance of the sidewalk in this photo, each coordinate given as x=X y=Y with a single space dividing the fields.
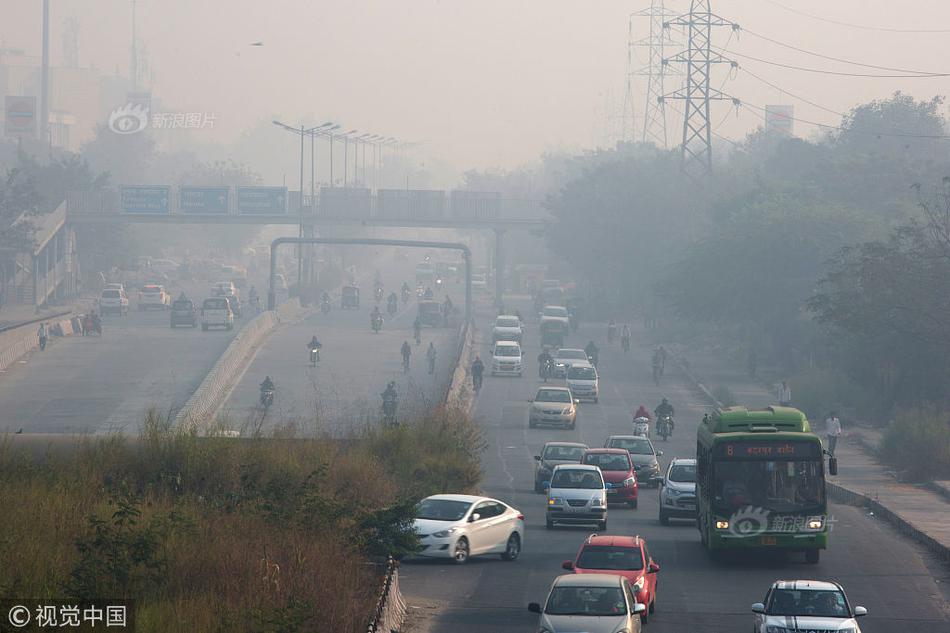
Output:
x=921 y=512
x=14 y=314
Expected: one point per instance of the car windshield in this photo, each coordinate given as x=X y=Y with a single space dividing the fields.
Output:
x=608 y=461
x=587 y=601
x=633 y=445
x=683 y=473
x=215 y=304
x=554 y=312
x=553 y=395
x=571 y=354
x=779 y=486
x=580 y=479
x=808 y=602
x=564 y=453
x=582 y=373
x=110 y=294
x=151 y=289
x=610 y=557
x=513 y=322
x=181 y=305
x=442 y=509
x=507 y=350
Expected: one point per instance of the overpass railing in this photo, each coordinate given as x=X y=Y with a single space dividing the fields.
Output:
x=331 y=203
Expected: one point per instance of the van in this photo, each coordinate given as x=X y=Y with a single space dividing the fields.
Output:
x=506 y=358
x=583 y=381
x=216 y=312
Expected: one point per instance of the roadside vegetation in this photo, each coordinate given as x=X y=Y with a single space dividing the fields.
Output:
x=224 y=534
x=824 y=262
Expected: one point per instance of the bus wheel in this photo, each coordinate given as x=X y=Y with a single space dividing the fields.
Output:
x=812 y=556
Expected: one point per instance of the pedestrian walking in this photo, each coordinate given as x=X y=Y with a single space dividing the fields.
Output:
x=833 y=431
x=785 y=394
x=42 y=334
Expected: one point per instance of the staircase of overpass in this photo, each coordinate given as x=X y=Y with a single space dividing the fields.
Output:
x=332 y=205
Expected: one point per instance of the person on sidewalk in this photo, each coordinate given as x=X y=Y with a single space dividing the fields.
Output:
x=42 y=335
x=785 y=394
x=833 y=431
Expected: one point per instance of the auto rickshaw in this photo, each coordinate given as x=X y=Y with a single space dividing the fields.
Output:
x=430 y=313
x=350 y=298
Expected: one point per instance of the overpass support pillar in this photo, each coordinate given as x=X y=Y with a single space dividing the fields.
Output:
x=499 y=267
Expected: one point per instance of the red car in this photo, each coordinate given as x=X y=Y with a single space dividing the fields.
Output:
x=626 y=556
x=619 y=473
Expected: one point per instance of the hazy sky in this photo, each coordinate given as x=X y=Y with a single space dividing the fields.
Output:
x=482 y=82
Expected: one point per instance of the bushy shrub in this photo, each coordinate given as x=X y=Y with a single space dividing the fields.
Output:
x=918 y=443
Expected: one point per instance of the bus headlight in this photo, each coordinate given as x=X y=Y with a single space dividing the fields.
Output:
x=722 y=525
x=815 y=523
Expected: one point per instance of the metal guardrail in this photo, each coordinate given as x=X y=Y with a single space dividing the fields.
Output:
x=390 y=609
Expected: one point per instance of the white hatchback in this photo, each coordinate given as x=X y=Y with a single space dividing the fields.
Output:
x=461 y=526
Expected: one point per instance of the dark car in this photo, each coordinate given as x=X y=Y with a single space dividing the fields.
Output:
x=552 y=454
x=430 y=313
x=350 y=298
x=184 y=313
x=643 y=454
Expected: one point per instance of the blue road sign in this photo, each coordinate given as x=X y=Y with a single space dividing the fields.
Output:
x=204 y=200
x=262 y=200
x=145 y=199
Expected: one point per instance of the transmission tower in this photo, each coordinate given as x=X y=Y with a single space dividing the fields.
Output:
x=655 y=43
x=696 y=151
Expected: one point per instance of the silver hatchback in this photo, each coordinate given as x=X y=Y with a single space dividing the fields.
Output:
x=594 y=603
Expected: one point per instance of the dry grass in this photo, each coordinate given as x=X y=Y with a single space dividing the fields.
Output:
x=220 y=534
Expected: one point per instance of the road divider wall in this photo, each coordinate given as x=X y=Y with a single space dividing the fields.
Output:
x=16 y=342
x=204 y=403
x=460 y=395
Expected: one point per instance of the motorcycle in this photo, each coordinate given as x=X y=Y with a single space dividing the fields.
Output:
x=431 y=365
x=405 y=364
x=418 y=335
x=641 y=427
x=391 y=308
x=657 y=372
x=405 y=295
x=267 y=398
x=314 y=356
x=611 y=333
x=664 y=427
x=389 y=411
x=377 y=324
x=378 y=293
x=546 y=370
x=325 y=306
x=477 y=382
x=625 y=344
x=592 y=359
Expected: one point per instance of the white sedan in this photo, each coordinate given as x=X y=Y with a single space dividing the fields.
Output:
x=461 y=526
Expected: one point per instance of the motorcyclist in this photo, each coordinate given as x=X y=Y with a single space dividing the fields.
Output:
x=405 y=292
x=96 y=323
x=428 y=294
x=389 y=399
x=663 y=409
x=611 y=331
x=325 y=297
x=314 y=343
x=643 y=413
x=375 y=317
x=430 y=356
x=478 y=368
x=543 y=359
x=406 y=352
x=267 y=385
x=393 y=298
x=417 y=330
x=591 y=350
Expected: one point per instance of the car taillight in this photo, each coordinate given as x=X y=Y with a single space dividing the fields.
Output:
x=521 y=517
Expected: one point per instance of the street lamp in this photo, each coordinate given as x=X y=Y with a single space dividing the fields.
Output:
x=302 y=131
x=346 y=147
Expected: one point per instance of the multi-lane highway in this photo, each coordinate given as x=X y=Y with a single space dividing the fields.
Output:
x=355 y=365
x=900 y=585
x=93 y=384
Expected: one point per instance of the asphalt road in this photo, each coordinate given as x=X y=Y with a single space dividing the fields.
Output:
x=94 y=385
x=343 y=390
x=902 y=587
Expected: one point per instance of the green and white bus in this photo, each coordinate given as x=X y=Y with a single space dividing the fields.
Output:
x=760 y=482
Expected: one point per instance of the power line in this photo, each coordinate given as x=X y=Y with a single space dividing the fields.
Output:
x=713 y=132
x=838 y=59
x=854 y=26
x=822 y=71
x=791 y=94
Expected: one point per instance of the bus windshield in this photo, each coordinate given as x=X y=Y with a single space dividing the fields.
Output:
x=779 y=486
